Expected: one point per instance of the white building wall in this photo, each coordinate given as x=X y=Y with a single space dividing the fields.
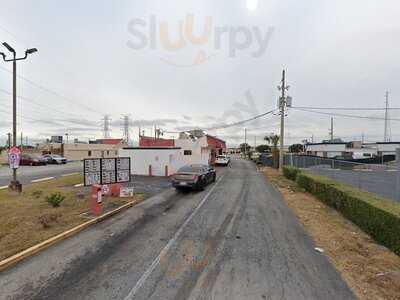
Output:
x=158 y=159
x=388 y=149
x=331 y=150
x=200 y=153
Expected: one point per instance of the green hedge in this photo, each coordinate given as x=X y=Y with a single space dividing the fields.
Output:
x=378 y=217
x=290 y=172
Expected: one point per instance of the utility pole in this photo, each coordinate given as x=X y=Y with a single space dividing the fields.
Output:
x=245 y=142
x=15 y=185
x=385 y=136
x=255 y=142
x=331 y=130
x=9 y=140
x=282 y=105
x=22 y=143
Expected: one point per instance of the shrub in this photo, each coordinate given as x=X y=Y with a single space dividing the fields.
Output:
x=55 y=199
x=290 y=172
x=378 y=217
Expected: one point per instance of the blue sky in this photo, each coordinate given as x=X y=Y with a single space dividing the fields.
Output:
x=337 y=53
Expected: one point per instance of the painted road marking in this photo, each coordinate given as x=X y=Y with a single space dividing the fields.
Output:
x=42 y=179
x=70 y=174
x=3 y=187
x=172 y=241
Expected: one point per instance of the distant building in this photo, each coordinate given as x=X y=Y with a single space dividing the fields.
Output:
x=196 y=146
x=145 y=141
x=163 y=157
x=79 y=151
x=384 y=148
x=233 y=151
x=351 y=150
x=56 y=139
x=107 y=141
x=82 y=151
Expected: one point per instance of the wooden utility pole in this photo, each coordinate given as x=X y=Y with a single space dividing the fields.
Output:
x=282 y=105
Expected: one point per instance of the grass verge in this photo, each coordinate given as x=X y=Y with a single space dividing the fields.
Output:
x=377 y=216
x=28 y=219
x=370 y=270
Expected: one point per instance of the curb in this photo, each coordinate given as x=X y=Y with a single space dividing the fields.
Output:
x=13 y=260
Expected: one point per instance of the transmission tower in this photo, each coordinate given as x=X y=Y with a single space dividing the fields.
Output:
x=106 y=126
x=387 y=135
x=126 y=127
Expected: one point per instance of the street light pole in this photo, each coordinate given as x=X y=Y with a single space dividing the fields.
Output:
x=15 y=185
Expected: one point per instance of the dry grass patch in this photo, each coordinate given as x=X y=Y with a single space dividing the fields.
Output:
x=370 y=270
x=28 y=219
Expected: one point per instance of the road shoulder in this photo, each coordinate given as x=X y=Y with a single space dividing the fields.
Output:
x=370 y=270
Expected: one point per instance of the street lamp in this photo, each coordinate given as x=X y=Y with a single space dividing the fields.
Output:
x=15 y=185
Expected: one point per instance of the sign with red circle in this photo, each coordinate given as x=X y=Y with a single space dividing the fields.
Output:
x=14 y=157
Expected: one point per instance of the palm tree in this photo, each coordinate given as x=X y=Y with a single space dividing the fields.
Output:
x=273 y=139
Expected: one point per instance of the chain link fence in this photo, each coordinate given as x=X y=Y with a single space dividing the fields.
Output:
x=381 y=179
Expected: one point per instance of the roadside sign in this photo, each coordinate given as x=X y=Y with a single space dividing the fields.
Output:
x=106 y=170
x=14 y=157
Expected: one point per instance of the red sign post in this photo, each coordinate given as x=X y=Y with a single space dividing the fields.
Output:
x=96 y=203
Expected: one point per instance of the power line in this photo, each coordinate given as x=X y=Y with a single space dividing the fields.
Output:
x=346 y=108
x=226 y=125
x=41 y=87
x=344 y=115
x=30 y=100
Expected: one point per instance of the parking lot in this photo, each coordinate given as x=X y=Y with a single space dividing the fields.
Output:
x=27 y=174
x=385 y=183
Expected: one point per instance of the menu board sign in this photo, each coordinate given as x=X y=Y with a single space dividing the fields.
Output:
x=106 y=170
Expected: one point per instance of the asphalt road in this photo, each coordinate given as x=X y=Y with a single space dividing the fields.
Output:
x=383 y=183
x=27 y=173
x=235 y=240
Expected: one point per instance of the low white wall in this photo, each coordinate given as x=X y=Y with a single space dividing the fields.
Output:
x=158 y=159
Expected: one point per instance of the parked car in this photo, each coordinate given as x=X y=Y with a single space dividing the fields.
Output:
x=195 y=177
x=32 y=160
x=55 y=159
x=222 y=160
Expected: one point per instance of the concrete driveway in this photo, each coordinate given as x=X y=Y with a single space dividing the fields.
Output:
x=235 y=240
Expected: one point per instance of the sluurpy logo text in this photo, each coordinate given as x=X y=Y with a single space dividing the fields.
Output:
x=206 y=42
